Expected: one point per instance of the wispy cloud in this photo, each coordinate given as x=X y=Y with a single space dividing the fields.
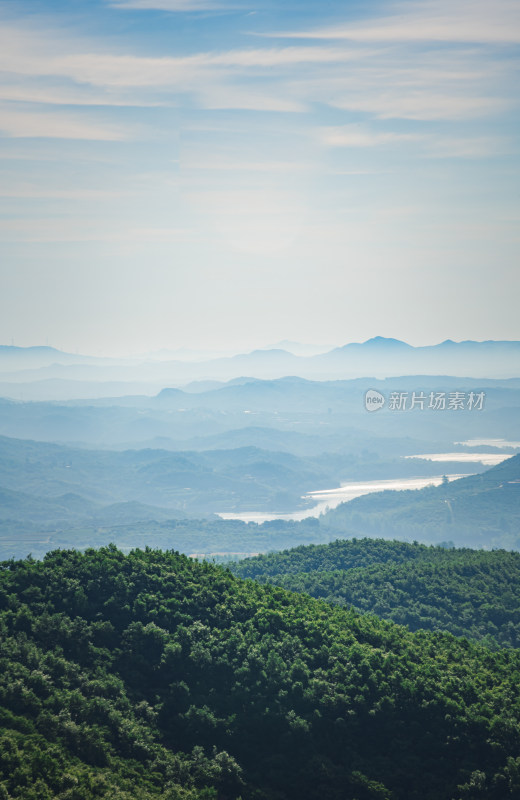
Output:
x=375 y=75
x=216 y=80
x=75 y=96
x=421 y=105
x=30 y=53
x=232 y=97
x=496 y=21
x=167 y=5
x=447 y=84
x=30 y=191
x=280 y=56
x=47 y=125
x=430 y=145
x=468 y=147
x=66 y=229
x=197 y=161
x=366 y=77
x=355 y=136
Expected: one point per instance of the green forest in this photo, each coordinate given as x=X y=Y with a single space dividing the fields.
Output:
x=152 y=675
x=472 y=593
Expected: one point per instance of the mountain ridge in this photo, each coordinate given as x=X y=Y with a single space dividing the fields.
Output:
x=381 y=357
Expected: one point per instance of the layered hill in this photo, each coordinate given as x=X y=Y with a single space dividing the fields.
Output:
x=288 y=404
x=206 y=481
x=46 y=373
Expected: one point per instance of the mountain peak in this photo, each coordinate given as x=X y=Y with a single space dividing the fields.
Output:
x=383 y=341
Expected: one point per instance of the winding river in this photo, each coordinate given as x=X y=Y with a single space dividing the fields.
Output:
x=326 y=499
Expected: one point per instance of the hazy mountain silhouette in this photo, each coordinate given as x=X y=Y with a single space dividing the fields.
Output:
x=45 y=373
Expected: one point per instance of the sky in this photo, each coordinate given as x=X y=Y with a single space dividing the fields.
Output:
x=223 y=175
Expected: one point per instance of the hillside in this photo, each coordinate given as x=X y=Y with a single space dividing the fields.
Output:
x=57 y=485
x=218 y=480
x=479 y=511
x=466 y=592
x=151 y=675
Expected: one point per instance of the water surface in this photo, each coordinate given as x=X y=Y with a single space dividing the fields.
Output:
x=325 y=499
x=488 y=459
x=490 y=443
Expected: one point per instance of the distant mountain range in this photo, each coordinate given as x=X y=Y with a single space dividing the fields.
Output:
x=47 y=373
x=323 y=410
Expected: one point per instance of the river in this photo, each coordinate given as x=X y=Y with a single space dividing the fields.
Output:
x=326 y=499
x=488 y=459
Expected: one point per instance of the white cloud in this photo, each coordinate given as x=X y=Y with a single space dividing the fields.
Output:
x=30 y=53
x=47 y=125
x=429 y=145
x=422 y=105
x=492 y=21
x=140 y=80
x=30 y=191
x=198 y=161
x=382 y=76
x=222 y=97
x=447 y=84
x=356 y=136
x=281 y=56
x=167 y=5
x=73 y=96
x=468 y=147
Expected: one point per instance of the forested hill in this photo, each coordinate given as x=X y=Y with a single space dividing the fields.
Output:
x=150 y=675
x=466 y=592
x=341 y=554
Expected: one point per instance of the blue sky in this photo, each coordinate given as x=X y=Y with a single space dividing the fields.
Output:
x=196 y=173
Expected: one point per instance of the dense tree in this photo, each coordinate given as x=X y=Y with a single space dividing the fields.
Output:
x=466 y=592
x=152 y=675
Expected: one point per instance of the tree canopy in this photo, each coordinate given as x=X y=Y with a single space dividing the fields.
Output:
x=149 y=674
x=472 y=593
